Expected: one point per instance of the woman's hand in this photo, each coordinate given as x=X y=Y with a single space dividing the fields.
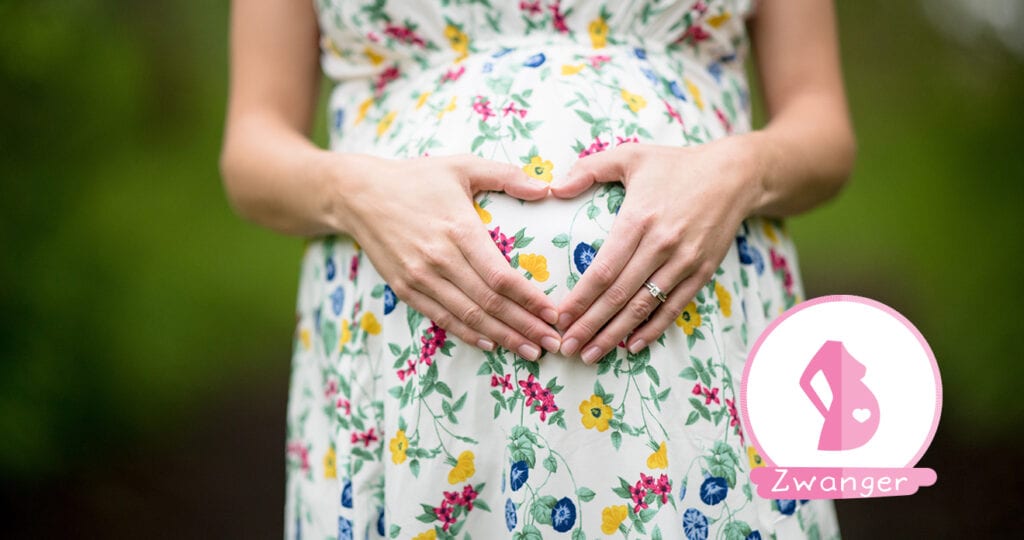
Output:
x=415 y=219
x=680 y=214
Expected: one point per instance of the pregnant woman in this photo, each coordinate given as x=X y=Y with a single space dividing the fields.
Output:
x=541 y=243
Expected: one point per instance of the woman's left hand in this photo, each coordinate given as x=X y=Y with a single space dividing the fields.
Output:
x=682 y=208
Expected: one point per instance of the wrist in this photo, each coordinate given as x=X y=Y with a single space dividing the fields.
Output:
x=749 y=155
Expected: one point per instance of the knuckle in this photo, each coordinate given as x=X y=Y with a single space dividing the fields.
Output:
x=600 y=272
x=473 y=316
x=444 y=319
x=493 y=302
x=417 y=273
x=500 y=280
x=617 y=294
x=639 y=309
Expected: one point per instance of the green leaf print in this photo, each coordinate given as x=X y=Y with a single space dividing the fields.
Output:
x=541 y=509
x=615 y=196
x=585 y=494
x=329 y=333
x=736 y=530
x=723 y=462
x=561 y=241
x=394 y=531
x=694 y=415
x=550 y=463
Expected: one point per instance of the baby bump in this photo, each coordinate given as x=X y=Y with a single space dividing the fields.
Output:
x=551 y=242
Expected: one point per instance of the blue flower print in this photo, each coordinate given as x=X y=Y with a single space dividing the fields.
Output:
x=389 y=299
x=715 y=69
x=380 y=522
x=510 y=514
x=754 y=535
x=749 y=255
x=713 y=490
x=346 y=494
x=487 y=67
x=583 y=255
x=695 y=524
x=502 y=52
x=535 y=60
x=344 y=528
x=563 y=515
x=337 y=300
x=339 y=119
x=298 y=528
x=330 y=269
x=518 y=475
x=640 y=53
x=787 y=506
x=682 y=490
x=650 y=75
x=676 y=91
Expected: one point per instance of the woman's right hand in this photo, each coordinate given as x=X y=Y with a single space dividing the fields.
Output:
x=416 y=221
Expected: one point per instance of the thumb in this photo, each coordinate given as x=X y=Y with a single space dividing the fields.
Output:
x=490 y=175
x=605 y=166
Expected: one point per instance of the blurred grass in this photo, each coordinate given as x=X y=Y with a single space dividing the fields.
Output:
x=132 y=294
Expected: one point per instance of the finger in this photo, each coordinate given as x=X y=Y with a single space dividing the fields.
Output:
x=499 y=306
x=638 y=310
x=612 y=300
x=605 y=166
x=664 y=316
x=473 y=315
x=491 y=266
x=489 y=175
x=597 y=281
x=433 y=310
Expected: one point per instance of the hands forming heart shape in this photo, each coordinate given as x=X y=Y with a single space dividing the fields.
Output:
x=680 y=213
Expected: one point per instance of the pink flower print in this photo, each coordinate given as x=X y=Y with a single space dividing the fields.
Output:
x=468 y=496
x=331 y=388
x=735 y=419
x=533 y=8
x=344 y=404
x=597 y=146
x=444 y=515
x=482 y=106
x=693 y=35
x=598 y=60
x=511 y=108
x=366 y=437
x=531 y=389
x=663 y=487
x=558 y=18
x=673 y=113
x=453 y=74
x=404 y=34
x=353 y=268
x=385 y=77
x=372 y=36
x=779 y=263
x=504 y=382
x=504 y=243
x=722 y=119
x=623 y=140
x=300 y=451
x=710 y=394
x=638 y=493
x=647 y=481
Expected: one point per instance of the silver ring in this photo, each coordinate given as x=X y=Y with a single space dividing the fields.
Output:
x=655 y=291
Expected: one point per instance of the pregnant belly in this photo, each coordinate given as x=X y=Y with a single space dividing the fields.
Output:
x=541 y=109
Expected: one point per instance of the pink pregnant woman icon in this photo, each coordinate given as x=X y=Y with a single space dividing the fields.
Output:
x=851 y=419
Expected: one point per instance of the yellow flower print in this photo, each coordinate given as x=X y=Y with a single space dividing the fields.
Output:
x=428 y=535
x=634 y=101
x=375 y=58
x=695 y=92
x=305 y=339
x=330 y=468
x=346 y=333
x=422 y=99
x=458 y=40
x=755 y=458
x=364 y=107
x=485 y=216
x=598 y=32
x=449 y=107
x=570 y=69
x=769 y=231
x=612 y=517
x=719 y=20
x=463 y=469
x=369 y=323
x=539 y=168
x=724 y=299
x=659 y=459
x=330 y=45
x=356 y=245
x=595 y=413
x=385 y=123
x=536 y=265
x=398 y=445
x=689 y=319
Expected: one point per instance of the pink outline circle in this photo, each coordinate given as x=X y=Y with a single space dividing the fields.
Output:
x=833 y=298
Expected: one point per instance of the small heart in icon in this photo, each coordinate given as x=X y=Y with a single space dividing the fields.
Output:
x=861 y=415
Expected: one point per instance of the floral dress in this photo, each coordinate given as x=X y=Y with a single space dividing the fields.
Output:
x=397 y=429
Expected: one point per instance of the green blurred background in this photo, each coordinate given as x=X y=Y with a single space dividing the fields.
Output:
x=146 y=329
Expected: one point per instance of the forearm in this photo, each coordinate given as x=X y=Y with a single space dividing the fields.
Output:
x=802 y=158
x=277 y=178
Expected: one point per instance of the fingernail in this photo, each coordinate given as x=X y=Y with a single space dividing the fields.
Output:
x=637 y=346
x=550 y=344
x=550 y=316
x=485 y=344
x=529 y=351
x=569 y=346
x=564 y=320
x=590 y=355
